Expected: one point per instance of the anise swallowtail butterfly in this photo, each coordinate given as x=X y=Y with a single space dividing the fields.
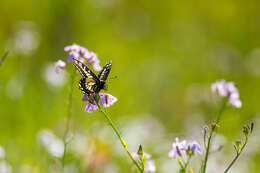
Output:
x=90 y=83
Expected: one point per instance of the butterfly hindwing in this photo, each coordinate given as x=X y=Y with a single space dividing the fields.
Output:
x=102 y=76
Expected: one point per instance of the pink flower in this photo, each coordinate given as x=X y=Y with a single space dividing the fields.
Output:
x=80 y=53
x=227 y=89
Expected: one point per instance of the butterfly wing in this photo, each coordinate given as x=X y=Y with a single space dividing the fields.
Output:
x=89 y=82
x=84 y=71
x=102 y=76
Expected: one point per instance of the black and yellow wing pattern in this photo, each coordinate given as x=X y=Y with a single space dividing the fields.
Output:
x=102 y=76
x=90 y=83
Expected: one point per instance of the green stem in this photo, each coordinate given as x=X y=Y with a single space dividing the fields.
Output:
x=111 y=123
x=69 y=111
x=211 y=134
x=238 y=154
x=184 y=167
x=186 y=164
x=204 y=140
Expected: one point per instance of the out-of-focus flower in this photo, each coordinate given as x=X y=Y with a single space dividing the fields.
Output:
x=14 y=91
x=104 y=99
x=25 y=39
x=54 y=79
x=60 y=66
x=2 y=152
x=80 y=53
x=135 y=155
x=93 y=59
x=150 y=165
x=177 y=148
x=5 y=167
x=227 y=89
x=220 y=88
x=194 y=147
x=53 y=145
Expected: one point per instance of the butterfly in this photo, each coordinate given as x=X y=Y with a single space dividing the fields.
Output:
x=90 y=83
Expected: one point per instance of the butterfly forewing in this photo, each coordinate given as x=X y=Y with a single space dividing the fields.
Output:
x=102 y=76
x=84 y=70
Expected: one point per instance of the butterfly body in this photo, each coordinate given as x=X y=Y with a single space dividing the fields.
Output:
x=90 y=83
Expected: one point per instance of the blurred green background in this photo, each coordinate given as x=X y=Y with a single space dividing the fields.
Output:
x=165 y=54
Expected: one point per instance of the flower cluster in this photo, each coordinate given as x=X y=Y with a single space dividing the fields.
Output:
x=179 y=148
x=80 y=53
x=150 y=165
x=104 y=99
x=227 y=89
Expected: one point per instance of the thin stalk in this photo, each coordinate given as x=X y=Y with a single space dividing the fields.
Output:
x=184 y=167
x=235 y=158
x=186 y=164
x=69 y=113
x=111 y=123
x=204 y=140
x=3 y=58
x=211 y=134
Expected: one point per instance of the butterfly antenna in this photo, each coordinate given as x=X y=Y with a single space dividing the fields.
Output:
x=114 y=77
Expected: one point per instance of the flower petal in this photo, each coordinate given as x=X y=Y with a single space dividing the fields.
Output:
x=106 y=99
x=90 y=108
x=85 y=98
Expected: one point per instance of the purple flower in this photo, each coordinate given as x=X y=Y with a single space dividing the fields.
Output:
x=60 y=66
x=177 y=148
x=80 y=53
x=227 y=89
x=104 y=99
x=74 y=53
x=194 y=147
x=180 y=148
x=85 y=98
x=150 y=166
x=205 y=129
x=90 y=107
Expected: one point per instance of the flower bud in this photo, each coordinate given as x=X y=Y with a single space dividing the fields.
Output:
x=140 y=151
x=252 y=126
